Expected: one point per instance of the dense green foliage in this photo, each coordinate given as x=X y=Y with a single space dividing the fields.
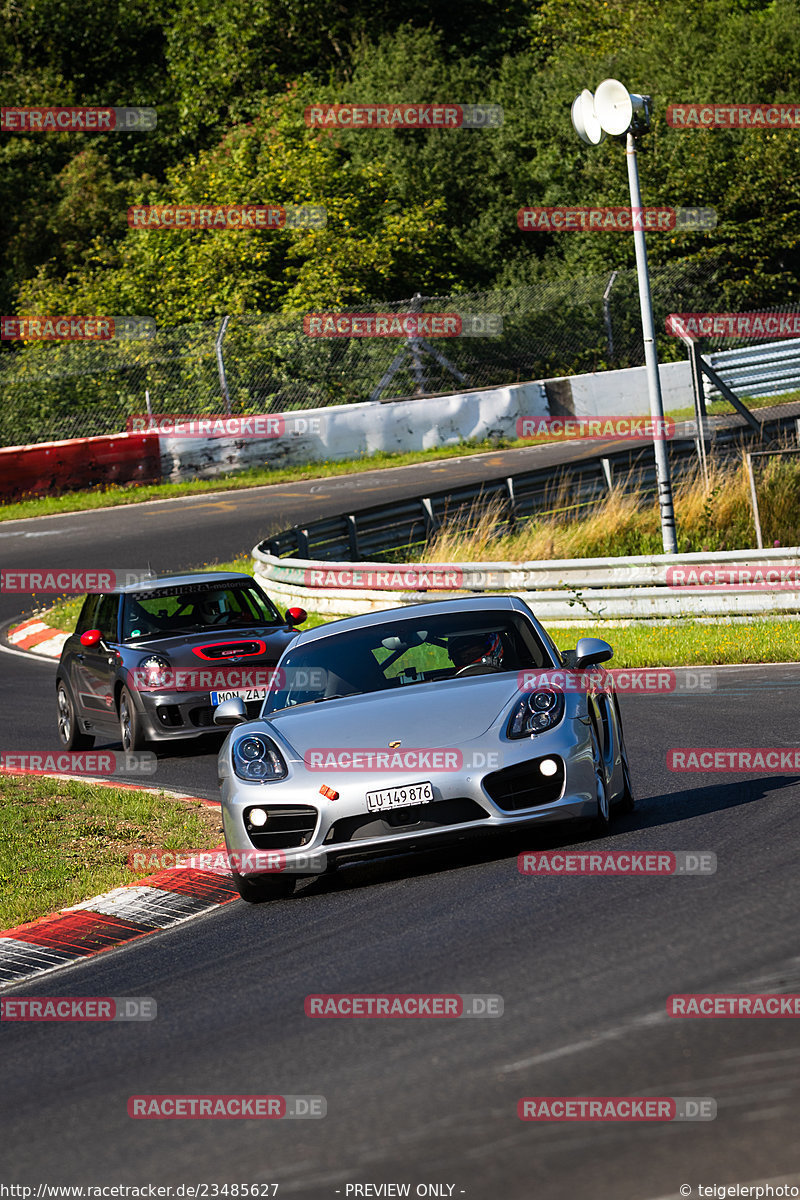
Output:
x=408 y=210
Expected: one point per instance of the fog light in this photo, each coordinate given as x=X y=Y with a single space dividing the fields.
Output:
x=257 y=816
x=548 y=766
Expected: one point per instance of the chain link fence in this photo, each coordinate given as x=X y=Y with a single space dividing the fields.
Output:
x=268 y=363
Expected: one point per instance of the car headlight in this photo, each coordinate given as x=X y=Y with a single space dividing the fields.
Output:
x=154 y=673
x=257 y=759
x=536 y=713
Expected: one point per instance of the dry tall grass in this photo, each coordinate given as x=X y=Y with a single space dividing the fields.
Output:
x=716 y=516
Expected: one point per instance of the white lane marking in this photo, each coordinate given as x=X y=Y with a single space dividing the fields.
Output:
x=39 y=532
x=609 y=1035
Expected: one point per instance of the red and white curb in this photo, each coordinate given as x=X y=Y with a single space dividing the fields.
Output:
x=133 y=911
x=38 y=638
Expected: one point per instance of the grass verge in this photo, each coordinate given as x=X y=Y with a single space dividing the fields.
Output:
x=688 y=643
x=112 y=497
x=62 y=841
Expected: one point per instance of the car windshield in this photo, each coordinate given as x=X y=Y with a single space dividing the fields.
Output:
x=193 y=608
x=401 y=653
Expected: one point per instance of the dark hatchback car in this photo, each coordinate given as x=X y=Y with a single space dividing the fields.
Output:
x=151 y=661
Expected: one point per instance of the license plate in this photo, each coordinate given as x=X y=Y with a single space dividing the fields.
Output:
x=399 y=797
x=254 y=693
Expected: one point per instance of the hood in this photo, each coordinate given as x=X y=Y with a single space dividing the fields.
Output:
x=423 y=715
x=180 y=647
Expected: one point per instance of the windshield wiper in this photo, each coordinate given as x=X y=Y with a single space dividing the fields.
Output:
x=336 y=696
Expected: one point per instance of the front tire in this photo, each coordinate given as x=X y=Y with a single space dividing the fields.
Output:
x=601 y=823
x=628 y=802
x=69 y=734
x=130 y=725
x=257 y=889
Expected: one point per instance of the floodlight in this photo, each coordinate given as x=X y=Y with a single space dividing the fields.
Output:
x=617 y=110
x=585 y=120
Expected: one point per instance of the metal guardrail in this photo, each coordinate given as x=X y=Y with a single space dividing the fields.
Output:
x=403 y=526
x=743 y=583
x=337 y=565
x=769 y=369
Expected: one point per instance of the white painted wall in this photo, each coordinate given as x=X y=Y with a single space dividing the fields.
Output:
x=353 y=430
x=608 y=393
x=356 y=430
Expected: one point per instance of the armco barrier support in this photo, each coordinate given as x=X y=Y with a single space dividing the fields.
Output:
x=47 y=468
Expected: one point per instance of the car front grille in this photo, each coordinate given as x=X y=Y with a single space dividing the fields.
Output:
x=524 y=786
x=437 y=814
x=215 y=651
x=286 y=828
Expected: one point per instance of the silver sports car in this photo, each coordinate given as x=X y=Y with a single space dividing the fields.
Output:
x=396 y=729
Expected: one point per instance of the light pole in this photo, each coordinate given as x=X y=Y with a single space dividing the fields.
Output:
x=616 y=111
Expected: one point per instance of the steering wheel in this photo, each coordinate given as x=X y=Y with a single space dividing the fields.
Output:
x=476 y=669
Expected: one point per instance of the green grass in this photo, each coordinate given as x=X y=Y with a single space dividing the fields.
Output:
x=64 y=841
x=111 y=497
x=689 y=643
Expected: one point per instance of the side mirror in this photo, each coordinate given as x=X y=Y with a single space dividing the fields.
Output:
x=230 y=712
x=590 y=652
x=296 y=616
x=91 y=637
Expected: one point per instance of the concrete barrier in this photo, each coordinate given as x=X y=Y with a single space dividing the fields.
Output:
x=48 y=468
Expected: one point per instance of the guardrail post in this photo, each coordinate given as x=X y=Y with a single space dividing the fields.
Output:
x=352 y=536
x=605 y=463
x=431 y=523
x=512 y=503
x=754 y=499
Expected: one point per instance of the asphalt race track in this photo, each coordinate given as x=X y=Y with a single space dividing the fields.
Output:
x=584 y=965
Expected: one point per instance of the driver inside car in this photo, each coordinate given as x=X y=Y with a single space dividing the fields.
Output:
x=475 y=649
